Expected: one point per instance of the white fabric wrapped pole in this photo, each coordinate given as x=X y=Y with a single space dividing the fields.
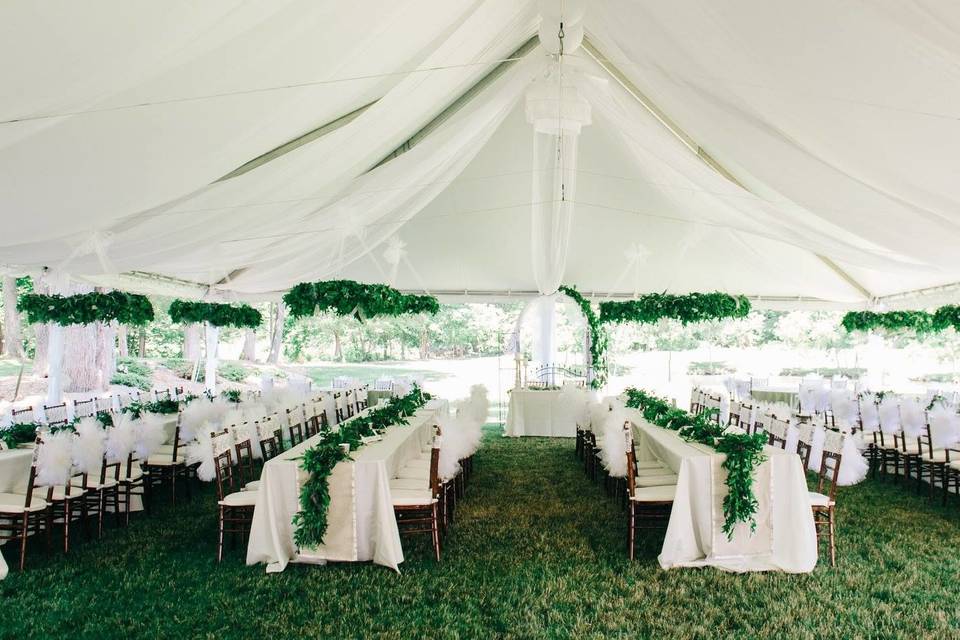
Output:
x=56 y=343
x=210 y=373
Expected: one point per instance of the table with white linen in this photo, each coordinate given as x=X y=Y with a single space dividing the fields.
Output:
x=540 y=413
x=361 y=525
x=785 y=538
x=14 y=477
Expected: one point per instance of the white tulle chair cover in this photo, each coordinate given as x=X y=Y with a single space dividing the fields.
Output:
x=613 y=454
x=913 y=416
x=89 y=446
x=869 y=412
x=808 y=398
x=944 y=426
x=889 y=414
x=54 y=459
x=853 y=464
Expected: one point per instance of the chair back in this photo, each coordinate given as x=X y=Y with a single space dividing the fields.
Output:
x=266 y=431
x=295 y=425
x=55 y=413
x=744 y=417
x=735 y=408
x=777 y=432
x=104 y=404
x=830 y=464
x=435 y=465
x=805 y=443
x=223 y=467
x=84 y=408
x=631 y=460
x=243 y=446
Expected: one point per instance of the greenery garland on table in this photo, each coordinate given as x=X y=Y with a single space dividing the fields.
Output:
x=347 y=297
x=598 y=337
x=86 y=308
x=693 y=307
x=219 y=315
x=24 y=432
x=137 y=409
x=744 y=452
x=310 y=523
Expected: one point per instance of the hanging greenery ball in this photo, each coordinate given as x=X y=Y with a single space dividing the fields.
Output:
x=86 y=308
x=219 y=315
x=347 y=297
x=891 y=321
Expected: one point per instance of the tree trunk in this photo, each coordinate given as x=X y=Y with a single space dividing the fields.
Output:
x=278 y=315
x=142 y=343
x=122 y=345
x=106 y=353
x=249 y=352
x=424 y=344
x=337 y=347
x=80 y=367
x=191 y=342
x=13 y=336
x=41 y=334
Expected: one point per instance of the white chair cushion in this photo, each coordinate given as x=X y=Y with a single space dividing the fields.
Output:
x=13 y=503
x=59 y=493
x=819 y=500
x=653 y=471
x=662 y=493
x=415 y=474
x=94 y=485
x=409 y=483
x=411 y=497
x=252 y=486
x=240 y=499
x=649 y=464
x=164 y=460
x=135 y=474
x=656 y=481
x=939 y=455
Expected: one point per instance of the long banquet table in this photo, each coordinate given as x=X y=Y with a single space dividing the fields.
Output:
x=14 y=476
x=785 y=538
x=361 y=522
x=539 y=413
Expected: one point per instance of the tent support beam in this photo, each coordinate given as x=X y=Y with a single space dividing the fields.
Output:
x=460 y=102
x=689 y=142
x=943 y=288
x=296 y=143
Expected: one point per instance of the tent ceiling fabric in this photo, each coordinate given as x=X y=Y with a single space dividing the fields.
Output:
x=837 y=138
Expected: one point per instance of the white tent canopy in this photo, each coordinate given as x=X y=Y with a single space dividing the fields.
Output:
x=793 y=152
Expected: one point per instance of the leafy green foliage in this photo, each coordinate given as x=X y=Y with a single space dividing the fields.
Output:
x=218 y=315
x=134 y=366
x=598 y=337
x=693 y=307
x=233 y=372
x=132 y=380
x=231 y=395
x=18 y=433
x=319 y=460
x=347 y=297
x=744 y=452
x=709 y=368
x=917 y=321
x=137 y=409
x=86 y=308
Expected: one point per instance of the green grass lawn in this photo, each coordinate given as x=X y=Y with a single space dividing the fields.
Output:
x=323 y=376
x=538 y=551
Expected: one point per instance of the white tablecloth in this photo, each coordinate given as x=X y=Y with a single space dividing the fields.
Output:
x=539 y=413
x=14 y=476
x=361 y=523
x=785 y=538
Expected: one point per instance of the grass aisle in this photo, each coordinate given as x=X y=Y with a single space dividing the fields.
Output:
x=537 y=552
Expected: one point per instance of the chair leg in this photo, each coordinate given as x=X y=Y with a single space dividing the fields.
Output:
x=23 y=540
x=66 y=525
x=434 y=525
x=220 y=536
x=833 y=544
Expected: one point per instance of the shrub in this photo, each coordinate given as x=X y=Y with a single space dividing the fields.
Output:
x=134 y=366
x=182 y=368
x=709 y=368
x=233 y=372
x=132 y=380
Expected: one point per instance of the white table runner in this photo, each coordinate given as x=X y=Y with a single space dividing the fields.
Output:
x=785 y=538
x=361 y=522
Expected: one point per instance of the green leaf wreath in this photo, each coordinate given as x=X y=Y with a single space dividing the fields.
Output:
x=310 y=523
x=744 y=452
x=918 y=321
x=347 y=297
x=86 y=308
x=219 y=315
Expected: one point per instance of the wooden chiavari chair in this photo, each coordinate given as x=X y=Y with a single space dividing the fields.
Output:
x=932 y=463
x=361 y=398
x=22 y=415
x=743 y=418
x=66 y=502
x=348 y=403
x=695 y=401
x=311 y=422
x=777 y=433
x=417 y=510
x=168 y=466
x=243 y=446
x=338 y=404
x=823 y=500
x=104 y=404
x=234 y=508
x=734 y=417
x=295 y=426
x=84 y=408
x=649 y=507
x=56 y=414
x=22 y=515
x=161 y=396
x=269 y=441
x=132 y=483
x=102 y=490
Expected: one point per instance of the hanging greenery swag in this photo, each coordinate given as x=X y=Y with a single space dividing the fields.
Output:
x=891 y=321
x=694 y=307
x=86 y=308
x=219 y=315
x=744 y=452
x=310 y=523
x=347 y=297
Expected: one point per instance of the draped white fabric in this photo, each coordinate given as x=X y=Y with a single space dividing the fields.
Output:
x=838 y=133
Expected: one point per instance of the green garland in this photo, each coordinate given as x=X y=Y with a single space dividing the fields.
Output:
x=86 y=308
x=319 y=460
x=919 y=321
x=219 y=315
x=744 y=452
x=598 y=337
x=693 y=307
x=347 y=297
x=23 y=432
x=137 y=409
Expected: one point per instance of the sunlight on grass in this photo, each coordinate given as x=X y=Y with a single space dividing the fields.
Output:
x=538 y=551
